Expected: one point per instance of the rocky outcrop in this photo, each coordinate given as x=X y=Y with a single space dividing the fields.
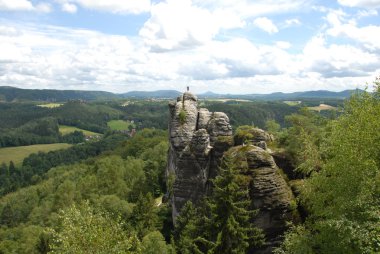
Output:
x=255 y=136
x=197 y=140
x=270 y=194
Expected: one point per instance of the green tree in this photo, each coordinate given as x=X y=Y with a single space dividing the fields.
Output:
x=231 y=213
x=192 y=230
x=272 y=127
x=144 y=215
x=343 y=198
x=154 y=243
x=302 y=140
x=85 y=231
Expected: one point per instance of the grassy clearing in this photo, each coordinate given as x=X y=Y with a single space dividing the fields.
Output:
x=64 y=129
x=322 y=107
x=50 y=105
x=17 y=154
x=119 y=125
x=292 y=103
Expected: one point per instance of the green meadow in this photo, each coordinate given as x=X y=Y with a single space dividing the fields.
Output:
x=64 y=129
x=119 y=125
x=17 y=154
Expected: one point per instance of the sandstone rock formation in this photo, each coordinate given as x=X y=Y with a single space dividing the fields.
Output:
x=198 y=141
x=269 y=192
x=252 y=135
x=198 y=138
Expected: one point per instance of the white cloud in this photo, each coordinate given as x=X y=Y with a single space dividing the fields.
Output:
x=16 y=5
x=43 y=7
x=177 y=24
x=24 y=5
x=337 y=60
x=292 y=22
x=190 y=52
x=70 y=8
x=113 y=6
x=283 y=44
x=366 y=13
x=248 y=8
x=266 y=25
x=367 y=36
x=360 y=3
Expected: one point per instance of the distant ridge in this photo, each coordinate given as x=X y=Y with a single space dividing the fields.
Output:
x=10 y=94
x=167 y=94
x=321 y=94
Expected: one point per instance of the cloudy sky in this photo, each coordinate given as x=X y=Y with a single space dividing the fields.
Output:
x=224 y=46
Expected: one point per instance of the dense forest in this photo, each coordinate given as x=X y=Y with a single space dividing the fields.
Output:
x=110 y=195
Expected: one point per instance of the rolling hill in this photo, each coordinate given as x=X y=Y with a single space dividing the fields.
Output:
x=12 y=94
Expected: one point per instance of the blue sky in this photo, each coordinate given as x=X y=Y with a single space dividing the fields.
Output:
x=224 y=46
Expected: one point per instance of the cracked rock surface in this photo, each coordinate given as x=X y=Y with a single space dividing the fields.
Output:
x=197 y=140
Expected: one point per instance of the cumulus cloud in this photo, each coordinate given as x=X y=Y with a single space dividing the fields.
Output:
x=340 y=26
x=70 y=8
x=360 y=3
x=43 y=7
x=248 y=8
x=177 y=24
x=337 y=60
x=24 y=5
x=366 y=13
x=292 y=22
x=199 y=43
x=16 y=5
x=113 y=6
x=283 y=44
x=266 y=25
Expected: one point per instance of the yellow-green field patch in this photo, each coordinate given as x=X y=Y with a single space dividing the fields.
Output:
x=65 y=129
x=17 y=154
x=322 y=107
x=119 y=125
x=50 y=105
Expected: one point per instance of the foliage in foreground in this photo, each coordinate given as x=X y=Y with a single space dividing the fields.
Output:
x=118 y=189
x=85 y=231
x=222 y=224
x=343 y=198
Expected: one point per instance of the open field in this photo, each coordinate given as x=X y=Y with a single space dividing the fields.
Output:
x=227 y=100
x=292 y=103
x=64 y=129
x=119 y=125
x=50 y=105
x=322 y=107
x=17 y=154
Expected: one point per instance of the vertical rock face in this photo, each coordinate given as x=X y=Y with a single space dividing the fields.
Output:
x=197 y=140
x=269 y=193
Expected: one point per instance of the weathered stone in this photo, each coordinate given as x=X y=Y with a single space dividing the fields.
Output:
x=203 y=118
x=252 y=135
x=269 y=192
x=198 y=140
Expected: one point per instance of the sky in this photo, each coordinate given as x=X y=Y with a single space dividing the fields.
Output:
x=222 y=46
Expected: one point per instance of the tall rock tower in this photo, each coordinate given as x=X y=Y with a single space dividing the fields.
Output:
x=197 y=140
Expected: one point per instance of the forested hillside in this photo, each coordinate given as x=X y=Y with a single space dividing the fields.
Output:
x=110 y=195
x=10 y=94
x=336 y=177
x=117 y=189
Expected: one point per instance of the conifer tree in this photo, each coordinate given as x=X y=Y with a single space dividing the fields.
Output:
x=144 y=218
x=230 y=211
